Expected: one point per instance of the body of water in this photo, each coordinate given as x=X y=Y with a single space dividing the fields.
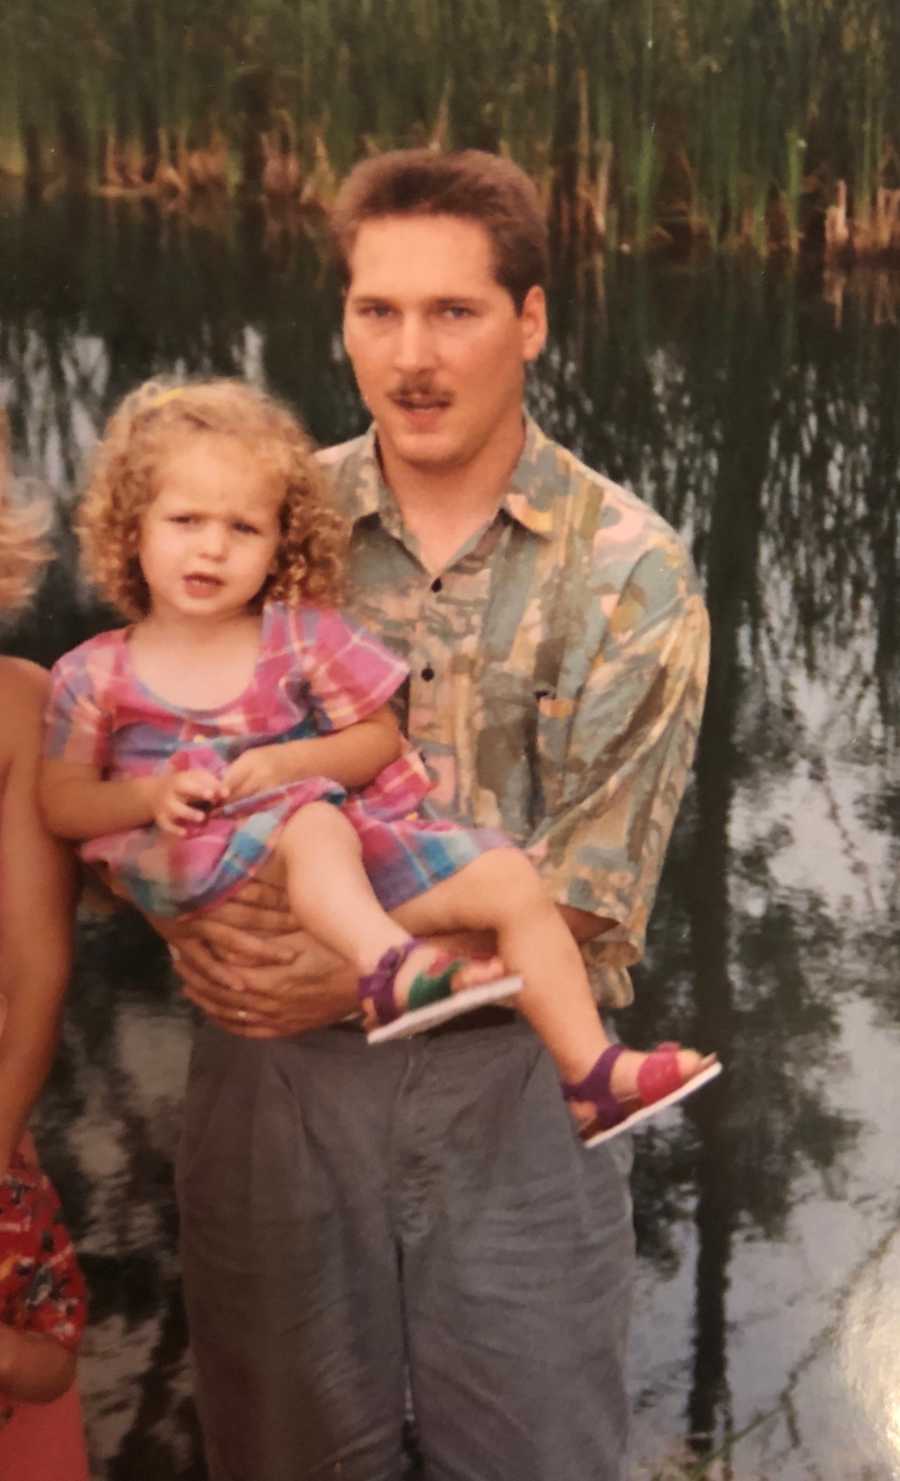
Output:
x=761 y=415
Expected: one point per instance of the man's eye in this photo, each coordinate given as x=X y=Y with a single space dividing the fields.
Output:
x=375 y=310
x=457 y=311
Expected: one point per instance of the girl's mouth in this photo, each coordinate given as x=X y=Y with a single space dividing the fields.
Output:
x=198 y=584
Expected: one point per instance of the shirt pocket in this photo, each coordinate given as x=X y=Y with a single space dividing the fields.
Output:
x=509 y=759
x=555 y=716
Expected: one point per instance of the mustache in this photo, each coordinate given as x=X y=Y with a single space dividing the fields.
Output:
x=418 y=386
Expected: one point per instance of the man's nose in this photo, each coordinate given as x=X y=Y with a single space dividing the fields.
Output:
x=414 y=346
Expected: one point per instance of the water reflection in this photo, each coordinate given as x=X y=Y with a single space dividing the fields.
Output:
x=763 y=422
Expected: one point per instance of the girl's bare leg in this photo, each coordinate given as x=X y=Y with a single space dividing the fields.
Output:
x=501 y=891
x=331 y=897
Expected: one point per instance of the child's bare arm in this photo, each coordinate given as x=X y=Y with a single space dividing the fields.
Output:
x=78 y=803
x=353 y=757
x=34 y=1368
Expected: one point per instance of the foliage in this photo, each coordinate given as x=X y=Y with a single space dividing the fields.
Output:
x=712 y=107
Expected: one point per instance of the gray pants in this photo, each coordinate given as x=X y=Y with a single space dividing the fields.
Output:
x=353 y=1214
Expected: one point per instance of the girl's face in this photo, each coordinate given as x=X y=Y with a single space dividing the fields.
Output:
x=207 y=542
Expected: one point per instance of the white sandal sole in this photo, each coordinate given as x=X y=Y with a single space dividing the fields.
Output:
x=696 y=1082
x=433 y=1014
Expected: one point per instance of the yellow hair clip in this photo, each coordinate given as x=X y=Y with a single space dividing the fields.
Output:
x=165 y=396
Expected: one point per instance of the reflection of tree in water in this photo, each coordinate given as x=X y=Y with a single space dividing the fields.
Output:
x=96 y=296
x=771 y=440
x=877 y=936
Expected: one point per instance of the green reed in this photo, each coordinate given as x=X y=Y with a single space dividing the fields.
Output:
x=726 y=118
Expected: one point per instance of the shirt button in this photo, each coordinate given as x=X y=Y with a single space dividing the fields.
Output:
x=428 y=673
x=437 y=584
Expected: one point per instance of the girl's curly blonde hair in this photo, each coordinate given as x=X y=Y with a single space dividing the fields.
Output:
x=123 y=482
x=23 y=549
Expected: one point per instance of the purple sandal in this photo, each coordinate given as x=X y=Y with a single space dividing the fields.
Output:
x=430 y=1000
x=660 y=1083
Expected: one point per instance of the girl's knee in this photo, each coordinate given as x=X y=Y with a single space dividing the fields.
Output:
x=318 y=823
x=518 y=882
x=320 y=814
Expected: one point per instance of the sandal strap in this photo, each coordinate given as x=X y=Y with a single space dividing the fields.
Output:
x=433 y=983
x=379 y=984
x=595 y=1087
x=659 y=1075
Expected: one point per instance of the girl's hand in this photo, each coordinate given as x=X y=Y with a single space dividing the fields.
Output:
x=185 y=797
x=259 y=769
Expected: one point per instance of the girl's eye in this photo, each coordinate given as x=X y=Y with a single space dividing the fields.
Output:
x=181 y=519
x=243 y=528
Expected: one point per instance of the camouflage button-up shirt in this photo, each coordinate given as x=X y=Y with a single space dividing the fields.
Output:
x=557 y=671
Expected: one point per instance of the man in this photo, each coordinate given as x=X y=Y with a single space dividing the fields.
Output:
x=356 y=1216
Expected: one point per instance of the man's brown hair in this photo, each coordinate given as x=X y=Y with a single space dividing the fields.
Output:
x=474 y=185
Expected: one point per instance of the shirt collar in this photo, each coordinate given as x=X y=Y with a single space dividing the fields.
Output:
x=531 y=497
x=528 y=499
x=362 y=487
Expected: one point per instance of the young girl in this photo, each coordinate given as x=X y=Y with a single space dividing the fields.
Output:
x=241 y=724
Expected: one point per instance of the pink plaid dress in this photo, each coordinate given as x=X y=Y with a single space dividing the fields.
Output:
x=316 y=672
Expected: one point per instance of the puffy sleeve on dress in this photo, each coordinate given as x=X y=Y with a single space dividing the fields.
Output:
x=349 y=673
x=77 y=724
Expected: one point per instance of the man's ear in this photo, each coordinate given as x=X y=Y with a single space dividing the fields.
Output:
x=533 y=322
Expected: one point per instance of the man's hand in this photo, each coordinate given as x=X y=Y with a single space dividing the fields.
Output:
x=244 y=928
x=181 y=798
x=251 y=970
x=310 y=987
x=257 y=770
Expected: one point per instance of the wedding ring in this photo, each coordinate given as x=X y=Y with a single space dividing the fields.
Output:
x=243 y=1015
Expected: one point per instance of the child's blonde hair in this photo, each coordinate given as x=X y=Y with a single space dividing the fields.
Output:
x=23 y=549
x=309 y=561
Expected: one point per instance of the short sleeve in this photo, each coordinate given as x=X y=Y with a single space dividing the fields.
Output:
x=349 y=673
x=76 y=727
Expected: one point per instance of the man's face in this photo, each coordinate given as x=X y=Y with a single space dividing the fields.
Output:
x=438 y=349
